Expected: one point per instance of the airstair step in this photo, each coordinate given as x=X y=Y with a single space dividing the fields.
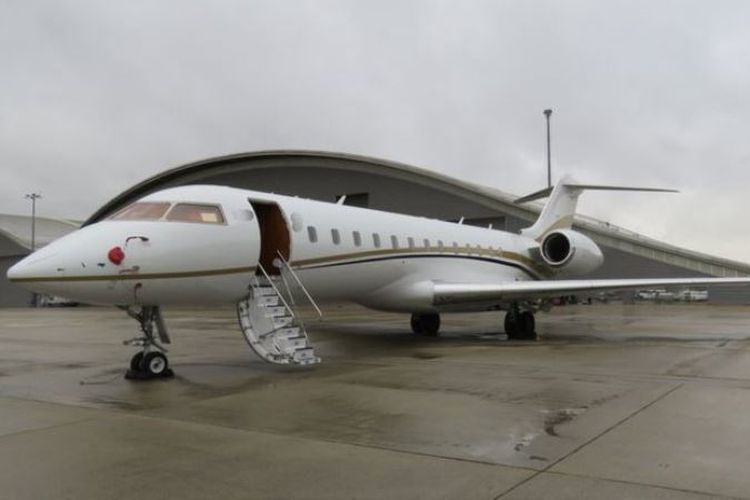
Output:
x=281 y=321
x=305 y=356
x=275 y=311
x=264 y=291
x=271 y=328
x=296 y=343
x=267 y=300
x=289 y=333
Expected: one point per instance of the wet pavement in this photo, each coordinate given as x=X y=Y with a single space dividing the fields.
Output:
x=647 y=401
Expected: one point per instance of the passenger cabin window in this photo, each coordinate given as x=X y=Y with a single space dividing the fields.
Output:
x=376 y=240
x=357 y=238
x=312 y=234
x=142 y=210
x=411 y=242
x=394 y=241
x=191 y=212
x=335 y=236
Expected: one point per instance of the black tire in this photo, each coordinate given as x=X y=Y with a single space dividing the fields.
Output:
x=136 y=362
x=528 y=325
x=520 y=326
x=426 y=324
x=511 y=325
x=416 y=324
x=155 y=364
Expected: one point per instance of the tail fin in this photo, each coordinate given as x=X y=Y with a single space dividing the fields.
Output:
x=563 y=197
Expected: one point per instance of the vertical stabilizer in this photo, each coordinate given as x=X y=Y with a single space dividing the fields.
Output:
x=559 y=211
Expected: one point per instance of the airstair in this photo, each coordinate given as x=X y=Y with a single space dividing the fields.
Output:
x=270 y=320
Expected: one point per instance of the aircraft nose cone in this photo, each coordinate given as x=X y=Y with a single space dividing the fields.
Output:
x=33 y=266
x=18 y=271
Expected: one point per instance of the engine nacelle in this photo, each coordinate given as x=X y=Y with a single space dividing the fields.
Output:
x=571 y=253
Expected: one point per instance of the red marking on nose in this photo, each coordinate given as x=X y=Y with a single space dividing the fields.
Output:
x=116 y=256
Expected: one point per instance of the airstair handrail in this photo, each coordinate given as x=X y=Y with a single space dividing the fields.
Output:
x=270 y=281
x=299 y=282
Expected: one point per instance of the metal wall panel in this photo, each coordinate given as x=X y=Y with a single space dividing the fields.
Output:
x=11 y=295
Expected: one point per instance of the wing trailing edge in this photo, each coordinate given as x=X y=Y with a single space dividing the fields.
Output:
x=455 y=293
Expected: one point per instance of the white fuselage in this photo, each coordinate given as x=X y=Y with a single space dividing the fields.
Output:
x=339 y=253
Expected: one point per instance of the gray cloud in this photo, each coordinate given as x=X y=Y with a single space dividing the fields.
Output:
x=99 y=95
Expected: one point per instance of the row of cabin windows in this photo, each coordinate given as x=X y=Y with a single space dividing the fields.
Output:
x=312 y=234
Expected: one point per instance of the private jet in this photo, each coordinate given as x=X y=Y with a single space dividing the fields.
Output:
x=271 y=254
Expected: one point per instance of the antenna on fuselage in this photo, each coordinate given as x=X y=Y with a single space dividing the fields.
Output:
x=341 y=200
x=461 y=220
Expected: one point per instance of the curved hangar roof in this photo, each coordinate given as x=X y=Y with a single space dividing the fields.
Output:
x=15 y=233
x=399 y=188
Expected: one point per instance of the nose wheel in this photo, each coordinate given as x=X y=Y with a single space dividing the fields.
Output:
x=149 y=365
x=151 y=361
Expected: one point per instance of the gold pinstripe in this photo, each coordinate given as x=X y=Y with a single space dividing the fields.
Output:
x=330 y=259
x=445 y=251
x=137 y=276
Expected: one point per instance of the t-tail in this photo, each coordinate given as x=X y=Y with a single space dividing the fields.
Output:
x=559 y=211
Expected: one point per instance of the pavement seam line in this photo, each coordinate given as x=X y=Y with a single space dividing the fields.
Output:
x=648 y=485
x=45 y=428
x=588 y=442
x=333 y=441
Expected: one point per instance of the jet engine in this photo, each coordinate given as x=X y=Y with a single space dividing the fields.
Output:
x=571 y=253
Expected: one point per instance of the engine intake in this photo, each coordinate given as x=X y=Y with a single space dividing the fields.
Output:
x=556 y=249
x=570 y=252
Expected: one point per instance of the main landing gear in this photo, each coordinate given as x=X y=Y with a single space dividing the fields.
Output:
x=425 y=324
x=151 y=362
x=520 y=325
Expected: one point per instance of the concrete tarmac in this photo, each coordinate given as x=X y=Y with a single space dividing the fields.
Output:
x=612 y=401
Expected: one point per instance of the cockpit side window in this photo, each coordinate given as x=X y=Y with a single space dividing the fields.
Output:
x=193 y=212
x=142 y=210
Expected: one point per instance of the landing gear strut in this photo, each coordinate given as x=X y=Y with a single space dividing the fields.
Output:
x=425 y=324
x=151 y=362
x=520 y=325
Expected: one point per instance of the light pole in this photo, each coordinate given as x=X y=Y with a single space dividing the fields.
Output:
x=33 y=197
x=547 y=113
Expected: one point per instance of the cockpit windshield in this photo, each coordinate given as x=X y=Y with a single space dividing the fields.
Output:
x=178 y=212
x=191 y=212
x=142 y=210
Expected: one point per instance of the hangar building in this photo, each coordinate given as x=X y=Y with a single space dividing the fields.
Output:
x=15 y=244
x=391 y=186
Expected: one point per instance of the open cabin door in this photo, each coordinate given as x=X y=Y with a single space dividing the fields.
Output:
x=274 y=234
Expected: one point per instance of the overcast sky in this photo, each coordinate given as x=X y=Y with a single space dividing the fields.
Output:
x=96 y=96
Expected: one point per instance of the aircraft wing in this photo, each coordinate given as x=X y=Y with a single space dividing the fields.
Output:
x=457 y=293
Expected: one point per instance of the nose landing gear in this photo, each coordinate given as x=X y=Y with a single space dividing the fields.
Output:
x=151 y=362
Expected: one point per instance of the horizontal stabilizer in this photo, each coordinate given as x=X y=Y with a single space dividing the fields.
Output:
x=559 y=211
x=544 y=193
x=537 y=195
